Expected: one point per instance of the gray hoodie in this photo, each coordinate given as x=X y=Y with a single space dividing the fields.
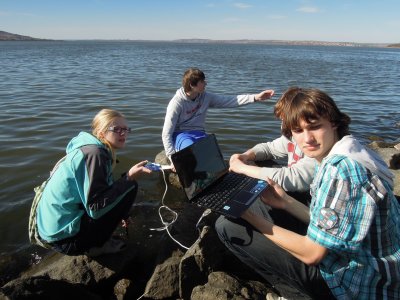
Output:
x=184 y=114
x=350 y=147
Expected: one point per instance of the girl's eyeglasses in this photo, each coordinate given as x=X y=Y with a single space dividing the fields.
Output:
x=119 y=130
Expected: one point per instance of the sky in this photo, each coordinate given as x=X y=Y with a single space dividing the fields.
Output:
x=361 y=21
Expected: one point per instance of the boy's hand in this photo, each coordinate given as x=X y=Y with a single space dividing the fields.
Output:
x=274 y=195
x=264 y=95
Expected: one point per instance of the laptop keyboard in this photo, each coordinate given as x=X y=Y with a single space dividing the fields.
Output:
x=229 y=186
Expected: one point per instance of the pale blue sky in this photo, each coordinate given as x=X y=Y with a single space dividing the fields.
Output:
x=365 y=21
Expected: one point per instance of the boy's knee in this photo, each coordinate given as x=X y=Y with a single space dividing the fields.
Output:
x=226 y=228
x=220 y=226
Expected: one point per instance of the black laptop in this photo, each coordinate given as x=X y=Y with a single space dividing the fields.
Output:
x=207 y=182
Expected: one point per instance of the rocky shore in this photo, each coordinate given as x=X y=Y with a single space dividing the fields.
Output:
x=155 y=267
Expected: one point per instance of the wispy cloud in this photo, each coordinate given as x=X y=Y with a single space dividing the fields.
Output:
x=308 y=9
x=211 y=5
x=242 y=5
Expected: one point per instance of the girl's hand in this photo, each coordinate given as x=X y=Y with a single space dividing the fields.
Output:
x=138 y=170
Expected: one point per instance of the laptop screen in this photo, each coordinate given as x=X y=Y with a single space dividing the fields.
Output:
x=199 y=165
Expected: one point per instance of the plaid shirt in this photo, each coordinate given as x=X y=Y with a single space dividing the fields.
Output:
x=356 y=216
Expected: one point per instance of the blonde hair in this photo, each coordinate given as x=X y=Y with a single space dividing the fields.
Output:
x=100 y=124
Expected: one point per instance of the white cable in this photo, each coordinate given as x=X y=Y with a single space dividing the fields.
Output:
x=175 y=215
x=141 y=297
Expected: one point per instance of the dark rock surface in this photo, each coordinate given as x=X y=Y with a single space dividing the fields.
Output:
x=390 y=152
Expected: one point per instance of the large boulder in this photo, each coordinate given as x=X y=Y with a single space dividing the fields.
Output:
x=222 y=286
x=390 y=153
x=173 y=179
x=43 y=287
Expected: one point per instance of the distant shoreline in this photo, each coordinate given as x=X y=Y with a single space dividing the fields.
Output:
x=291 y=43
x=6 y=36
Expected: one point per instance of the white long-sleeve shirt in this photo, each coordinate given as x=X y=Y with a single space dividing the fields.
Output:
x=298 y=175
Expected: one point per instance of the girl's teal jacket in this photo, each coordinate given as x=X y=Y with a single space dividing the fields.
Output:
x=82 y=184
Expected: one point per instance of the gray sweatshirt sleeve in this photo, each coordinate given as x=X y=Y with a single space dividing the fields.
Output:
x=170 y=121
x=298 y=177
x=221 y=101
x=276 y=149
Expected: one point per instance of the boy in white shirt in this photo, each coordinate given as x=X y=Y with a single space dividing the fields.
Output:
x=186 y=112
x=295 y=177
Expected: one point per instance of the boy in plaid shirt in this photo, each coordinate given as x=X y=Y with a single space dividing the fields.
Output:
x=350 y=246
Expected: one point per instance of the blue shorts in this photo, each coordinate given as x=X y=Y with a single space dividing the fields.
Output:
x=187 y=138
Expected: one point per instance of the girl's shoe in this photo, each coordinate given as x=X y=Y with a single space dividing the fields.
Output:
x=113 y=245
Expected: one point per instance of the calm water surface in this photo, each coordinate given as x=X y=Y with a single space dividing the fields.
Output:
x=49 y=91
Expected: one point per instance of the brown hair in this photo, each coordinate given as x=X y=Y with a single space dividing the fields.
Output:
x=310 y=105
x=191 y=77
x=284 y=100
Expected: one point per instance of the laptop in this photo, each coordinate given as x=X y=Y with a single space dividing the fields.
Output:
x=207 y=182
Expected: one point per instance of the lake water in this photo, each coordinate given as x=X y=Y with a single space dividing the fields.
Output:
x=49 y=91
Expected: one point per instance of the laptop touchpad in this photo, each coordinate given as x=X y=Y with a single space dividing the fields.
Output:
x=243 y=197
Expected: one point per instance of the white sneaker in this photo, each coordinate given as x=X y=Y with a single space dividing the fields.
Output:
x=113 y=245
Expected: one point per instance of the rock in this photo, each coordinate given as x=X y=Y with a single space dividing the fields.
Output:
x=122 y=289
x=43 y=287
x=164 y=283
x=162 y=159
x=391 y=156
x=375 y=138
x=221 y=286
x=388 y=152
x=82 y=269
x=173 y=179
x=203 y=256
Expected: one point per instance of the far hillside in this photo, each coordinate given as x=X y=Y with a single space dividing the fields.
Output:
x=6 y=36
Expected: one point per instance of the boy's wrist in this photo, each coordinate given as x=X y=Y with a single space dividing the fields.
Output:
x=288 y=200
